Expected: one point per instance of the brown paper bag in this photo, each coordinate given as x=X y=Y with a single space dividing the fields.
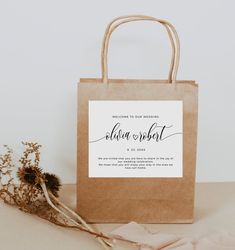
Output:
x=136 y=150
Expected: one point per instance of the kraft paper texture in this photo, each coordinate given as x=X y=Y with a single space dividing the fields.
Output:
x=144 y=200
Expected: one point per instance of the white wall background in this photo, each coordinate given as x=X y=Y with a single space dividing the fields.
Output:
x=47 y=45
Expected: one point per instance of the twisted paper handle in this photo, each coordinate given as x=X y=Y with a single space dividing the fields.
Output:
x=174 y=39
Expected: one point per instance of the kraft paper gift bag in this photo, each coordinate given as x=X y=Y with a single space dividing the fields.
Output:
x=136 y=143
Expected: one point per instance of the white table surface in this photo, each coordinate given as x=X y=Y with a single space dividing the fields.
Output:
x=214 y=210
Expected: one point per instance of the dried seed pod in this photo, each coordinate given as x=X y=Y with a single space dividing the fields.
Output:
x=30 y=175
x=53 y=183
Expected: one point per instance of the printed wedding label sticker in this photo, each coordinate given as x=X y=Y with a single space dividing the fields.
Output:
x=135 y=139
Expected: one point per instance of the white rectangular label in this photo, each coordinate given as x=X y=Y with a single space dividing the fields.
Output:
x=135 y=138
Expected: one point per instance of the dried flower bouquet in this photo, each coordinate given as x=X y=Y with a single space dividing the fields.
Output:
x=37 y=192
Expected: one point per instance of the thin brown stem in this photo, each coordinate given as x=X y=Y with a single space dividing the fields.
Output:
x=106 y=247
x=77 y=216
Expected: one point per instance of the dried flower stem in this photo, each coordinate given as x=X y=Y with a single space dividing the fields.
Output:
x=106 y=247
x=77 y=216
x=37 y=193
